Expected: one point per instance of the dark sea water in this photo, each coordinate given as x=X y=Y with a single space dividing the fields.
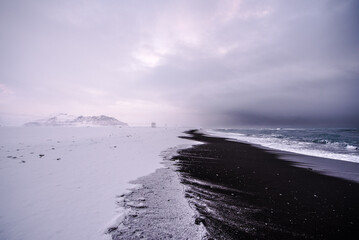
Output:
x=335 y=143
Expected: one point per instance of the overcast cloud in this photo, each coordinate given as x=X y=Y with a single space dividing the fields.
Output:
x=205 y=63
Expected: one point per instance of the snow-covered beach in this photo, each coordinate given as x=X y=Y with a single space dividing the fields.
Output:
x=63 y=182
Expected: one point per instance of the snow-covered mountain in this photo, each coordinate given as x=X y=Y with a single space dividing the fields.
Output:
x=70 y=120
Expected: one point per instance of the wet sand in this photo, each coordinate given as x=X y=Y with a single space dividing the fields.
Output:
x=244 y=192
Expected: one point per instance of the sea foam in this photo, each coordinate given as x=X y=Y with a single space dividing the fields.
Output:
x=339 y=144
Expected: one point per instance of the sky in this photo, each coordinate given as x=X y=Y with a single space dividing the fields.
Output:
x=227 y=63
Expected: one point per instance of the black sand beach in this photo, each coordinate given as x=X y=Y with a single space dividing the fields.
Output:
x=244 y=192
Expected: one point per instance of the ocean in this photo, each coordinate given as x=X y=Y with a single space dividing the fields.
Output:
x=334 y=143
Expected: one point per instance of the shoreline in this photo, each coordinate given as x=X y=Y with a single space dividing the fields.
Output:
x=286 y=148
x=158 y=209
x=333 y=167
x=245 y=192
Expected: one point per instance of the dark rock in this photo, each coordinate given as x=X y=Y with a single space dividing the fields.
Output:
x=199 y=220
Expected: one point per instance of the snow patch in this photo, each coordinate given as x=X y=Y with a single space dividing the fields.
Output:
x=76 y=189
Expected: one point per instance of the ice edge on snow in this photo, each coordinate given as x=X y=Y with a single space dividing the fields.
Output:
x=124 y=208
x=120 y=210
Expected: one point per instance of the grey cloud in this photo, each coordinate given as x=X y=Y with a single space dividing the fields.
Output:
x=304 y=73
x=229 y=63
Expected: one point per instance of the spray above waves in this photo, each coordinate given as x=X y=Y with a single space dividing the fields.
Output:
x=340 y=144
